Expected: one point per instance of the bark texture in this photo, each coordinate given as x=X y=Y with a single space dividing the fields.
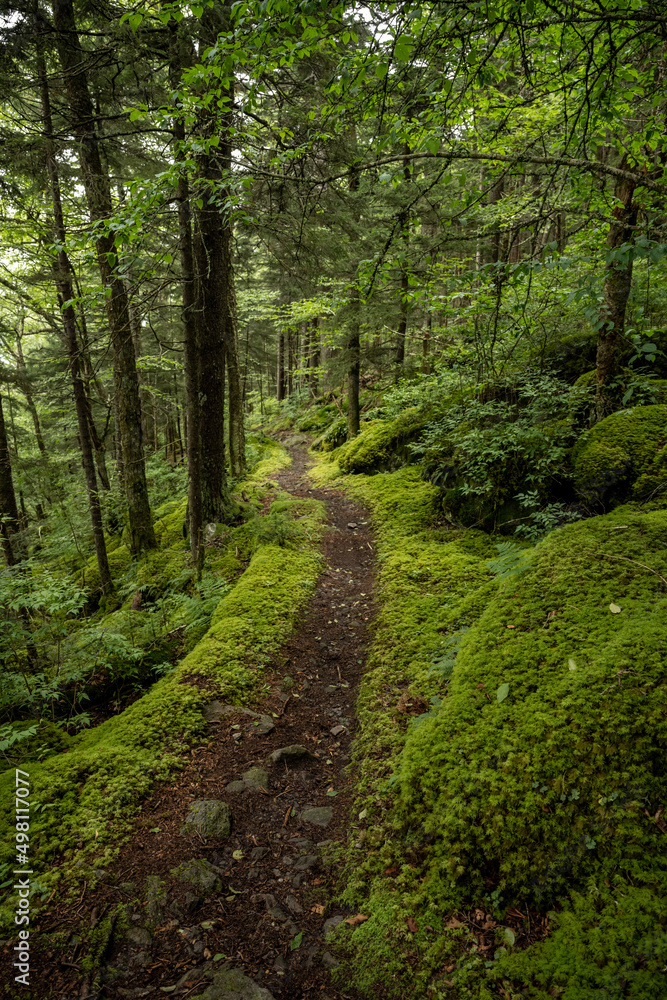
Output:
x=64 y=271
x=617 y=287
x=98 y=197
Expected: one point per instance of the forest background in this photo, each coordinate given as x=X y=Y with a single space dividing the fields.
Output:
x=438 y=224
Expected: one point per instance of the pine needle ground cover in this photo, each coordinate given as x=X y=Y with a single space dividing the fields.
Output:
x=513 y=741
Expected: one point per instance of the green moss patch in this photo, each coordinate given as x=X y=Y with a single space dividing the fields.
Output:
x=534 y=775
x=622 y=456
x=87 y=795
x=382 y=444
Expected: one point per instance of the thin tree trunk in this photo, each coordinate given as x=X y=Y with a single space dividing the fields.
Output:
x=280 y=374
x=66 y=295
x=12 y=546
x=617 y=286
x=190 y=325
x=405 y=282
x=98 y=197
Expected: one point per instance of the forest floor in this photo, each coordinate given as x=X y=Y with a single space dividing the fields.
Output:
x=258 y=901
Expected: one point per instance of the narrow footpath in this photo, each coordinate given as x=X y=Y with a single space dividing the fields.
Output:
x=256 y=902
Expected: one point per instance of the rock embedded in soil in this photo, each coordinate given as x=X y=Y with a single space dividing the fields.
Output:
x=317 y=815
x=232 y=984
x=209 y=818
x=289 y=753
x=215 y=711
x=256 y=779
x=200 y=873
x=331 y=924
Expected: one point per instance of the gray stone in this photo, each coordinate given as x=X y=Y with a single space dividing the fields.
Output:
x=272 y=907
x=280 y=965
x=297 y=881
x=337 y=730
x=258 y=853
x=305 y=863
x=232 y=984
x=192 y=901
x=208 y=818
x=328 y=961
x=294 y=904
x=256 y=779
x=139 y=937
x=200 y=873
x=235 y=787
x=331 y=924
x=215 y=711
x=317 y=815
x=288 y=754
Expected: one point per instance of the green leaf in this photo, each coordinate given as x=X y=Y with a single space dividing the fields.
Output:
x=381 y=70
x=219 y=957
x=614 y=608
x=134 y=114
x=197 y=10
x=296 y=941
x=502 y=692
x=508 y=934
x=237 y=855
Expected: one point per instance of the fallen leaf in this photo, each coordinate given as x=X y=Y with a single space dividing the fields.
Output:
x=296 y=941
x=452 y=923
x=318 y=908
x=571 y=664
x=614 y=608
x=413 y=927
x=237 y=855
x=502 y=692
x=219 y=957
x=359 y=919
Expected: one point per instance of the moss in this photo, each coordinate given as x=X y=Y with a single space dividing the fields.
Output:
x=381 y=444
x=621 y=456
x=92 y=790
x=541 y=793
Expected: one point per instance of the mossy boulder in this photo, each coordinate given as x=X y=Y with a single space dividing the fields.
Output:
x=382 y=444
x=622 y=457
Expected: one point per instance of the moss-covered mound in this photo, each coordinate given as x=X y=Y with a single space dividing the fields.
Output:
x=87 y=794
x=382 y=443
x=623 y=456
x=537 y=779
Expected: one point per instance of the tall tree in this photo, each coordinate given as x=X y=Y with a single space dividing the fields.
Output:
x=98 y=196
x=66 y=296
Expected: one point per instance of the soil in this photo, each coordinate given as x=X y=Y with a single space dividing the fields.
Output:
x=272 y=880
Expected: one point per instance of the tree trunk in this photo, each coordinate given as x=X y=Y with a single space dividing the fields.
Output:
x=216 y=503
x=405 y=282
x=280 y=374
x=190 y=325
x=617 y=286
x=98 y=197
x=9 y=515
x=66 y=294
x=353 y=366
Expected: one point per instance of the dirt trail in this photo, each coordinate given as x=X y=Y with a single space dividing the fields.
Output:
x=258 y=898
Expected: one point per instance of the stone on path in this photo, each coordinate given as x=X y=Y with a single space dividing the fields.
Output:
x=289 y=753
x=208 y=818
x=256 y=779
x=317 y=815
x=232 y=984
x=200 y=873
x=214 y=711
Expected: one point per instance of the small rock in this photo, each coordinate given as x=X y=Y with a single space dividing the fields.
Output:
x=192 y=901
x=235 y=787
x=317 y=815
x=305 y=863
x=139 y=937
x=294 y=904
x=280 y=965
x=208 y=818
x=258 y=853
x=200 y=874
x=352 y=524
x=328 y=961
x=232 y=984
x=237 y=736
x=289 y=753
x=297 y=881
x=331 y=924
x=256 y=779
x=272 y=907
x=337 y=730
